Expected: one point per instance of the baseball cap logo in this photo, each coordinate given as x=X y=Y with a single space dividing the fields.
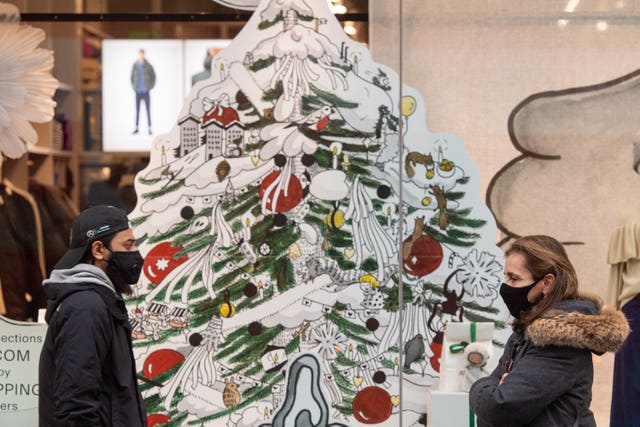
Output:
x=103 y=229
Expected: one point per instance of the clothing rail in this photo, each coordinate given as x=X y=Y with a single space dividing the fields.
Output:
x=159 y=17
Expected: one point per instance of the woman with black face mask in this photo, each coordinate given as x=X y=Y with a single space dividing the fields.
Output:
x=545 y=374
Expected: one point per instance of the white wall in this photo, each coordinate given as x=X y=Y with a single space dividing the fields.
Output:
x=474 y=62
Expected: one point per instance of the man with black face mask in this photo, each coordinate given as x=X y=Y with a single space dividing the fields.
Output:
x=87 y=370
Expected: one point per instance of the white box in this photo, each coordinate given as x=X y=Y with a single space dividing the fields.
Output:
x=452 y=365
x=448 y=409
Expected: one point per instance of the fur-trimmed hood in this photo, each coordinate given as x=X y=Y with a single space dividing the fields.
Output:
x=580 y=323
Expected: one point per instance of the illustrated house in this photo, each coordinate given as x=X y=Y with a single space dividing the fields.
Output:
x=189 y=140
x=223 y=132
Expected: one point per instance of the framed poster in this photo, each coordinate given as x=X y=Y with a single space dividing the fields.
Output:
x=144 y=83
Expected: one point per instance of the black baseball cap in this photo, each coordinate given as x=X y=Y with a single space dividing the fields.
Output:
x=92 y=224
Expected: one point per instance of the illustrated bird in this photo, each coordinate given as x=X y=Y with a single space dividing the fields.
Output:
x=319 y=119
x=413 y=350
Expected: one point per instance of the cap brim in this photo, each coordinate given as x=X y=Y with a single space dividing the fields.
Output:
x=70 y=259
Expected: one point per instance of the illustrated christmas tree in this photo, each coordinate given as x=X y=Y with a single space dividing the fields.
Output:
x=272 y=224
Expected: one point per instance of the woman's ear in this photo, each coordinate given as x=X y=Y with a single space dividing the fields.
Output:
x=547 y=283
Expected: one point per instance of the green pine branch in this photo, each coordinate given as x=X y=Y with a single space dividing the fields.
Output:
x=139 y=220
x=391 y=300
x=200 y=243
x=351 y=330
x=272 y=94
x=263 y=25
x=345 y=386
x=282 y=272
x=166 y=190
x=332 y=99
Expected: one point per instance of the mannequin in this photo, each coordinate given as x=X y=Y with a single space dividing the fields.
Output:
x=623 y=293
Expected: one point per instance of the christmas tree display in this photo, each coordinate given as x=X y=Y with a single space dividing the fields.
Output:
x=306 y=239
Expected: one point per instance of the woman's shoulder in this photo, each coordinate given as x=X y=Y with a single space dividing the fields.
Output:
x=585 y=303
x=581 y=323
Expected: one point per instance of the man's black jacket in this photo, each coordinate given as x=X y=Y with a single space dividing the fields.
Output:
x=87 y=370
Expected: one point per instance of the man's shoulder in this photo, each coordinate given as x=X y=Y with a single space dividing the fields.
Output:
x=86 y=298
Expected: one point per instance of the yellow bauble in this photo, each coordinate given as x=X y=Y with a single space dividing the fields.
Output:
x=227 y=309
x=408 y=105
x=446 y=165
x=335 y=219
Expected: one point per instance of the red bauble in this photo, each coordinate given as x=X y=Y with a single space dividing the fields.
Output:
x=160 y=261
x=160 y=361
x=425 y=257
x=287 y=199
x=372 y=405
x=156 y=419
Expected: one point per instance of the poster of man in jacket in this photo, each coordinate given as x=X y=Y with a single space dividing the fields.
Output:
x=143 y=79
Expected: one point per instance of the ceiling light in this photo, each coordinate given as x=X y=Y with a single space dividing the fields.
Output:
x=571 y=6
x=350 y=29
x=338 y=9
x=602 y=25
x=562 y=23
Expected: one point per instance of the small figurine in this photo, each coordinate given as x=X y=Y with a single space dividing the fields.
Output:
x=477 y=356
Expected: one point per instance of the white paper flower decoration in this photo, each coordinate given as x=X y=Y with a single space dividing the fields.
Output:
x=239 y=4
x=26 y=84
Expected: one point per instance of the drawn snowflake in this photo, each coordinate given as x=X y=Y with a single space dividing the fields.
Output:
x=327 y=341
x=479 y=275
x=26 y=85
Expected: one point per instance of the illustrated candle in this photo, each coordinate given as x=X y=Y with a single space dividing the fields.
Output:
x=388 y=211
x=246 y=222
x=336 y=149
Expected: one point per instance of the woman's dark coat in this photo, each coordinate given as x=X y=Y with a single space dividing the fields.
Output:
x=550 y=368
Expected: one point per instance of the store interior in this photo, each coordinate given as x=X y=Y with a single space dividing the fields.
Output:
x=474 y=63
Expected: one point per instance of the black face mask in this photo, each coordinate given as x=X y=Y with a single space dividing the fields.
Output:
x=516 y=298
x=124 y=269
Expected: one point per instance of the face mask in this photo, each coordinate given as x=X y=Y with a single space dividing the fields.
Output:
x=516 y=298
x=124 y=269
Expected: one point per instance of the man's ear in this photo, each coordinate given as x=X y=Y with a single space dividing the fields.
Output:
x=98 y=250
x=547 y=283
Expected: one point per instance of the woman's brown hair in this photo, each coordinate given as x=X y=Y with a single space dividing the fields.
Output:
x=545 y=255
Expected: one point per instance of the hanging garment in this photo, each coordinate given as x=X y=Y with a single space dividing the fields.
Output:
x=21 y=252
x=624 y=293
x=56 y=215
x=625 y=411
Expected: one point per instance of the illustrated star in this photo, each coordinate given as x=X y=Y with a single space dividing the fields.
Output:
x=162 y=264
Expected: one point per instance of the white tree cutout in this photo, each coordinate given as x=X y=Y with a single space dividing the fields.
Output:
x=292 y=49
